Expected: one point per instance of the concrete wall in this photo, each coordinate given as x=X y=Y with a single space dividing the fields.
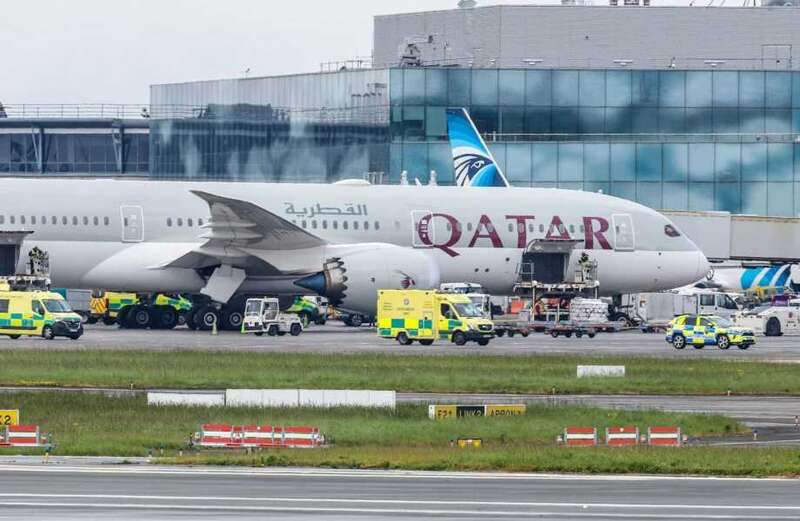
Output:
x=594 y=36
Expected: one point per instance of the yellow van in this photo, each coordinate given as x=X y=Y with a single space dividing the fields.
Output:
x=37 y=313
x=408 y=315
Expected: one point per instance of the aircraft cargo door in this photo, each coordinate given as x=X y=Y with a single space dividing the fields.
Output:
x=132 y=223
x=8 y=259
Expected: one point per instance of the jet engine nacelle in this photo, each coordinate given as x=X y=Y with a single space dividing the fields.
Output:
x=352 y=274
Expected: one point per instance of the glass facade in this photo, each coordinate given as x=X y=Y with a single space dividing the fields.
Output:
x=671 y=139
x=80 y=151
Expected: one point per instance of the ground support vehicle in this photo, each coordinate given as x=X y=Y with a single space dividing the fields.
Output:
x=134 y=311
x=37 y=313
x=654 y=311
x=586 y=317
x=263 y=315
x=513 y=325
x=310 y=310
x=699 y=331
x=772 y=320
x=79 y=301
x=429 y=315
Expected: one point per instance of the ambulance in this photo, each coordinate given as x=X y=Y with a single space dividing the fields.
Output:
x=425 y=316
x=37 y=313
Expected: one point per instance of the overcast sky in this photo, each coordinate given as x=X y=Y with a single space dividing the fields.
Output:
x=103 y=51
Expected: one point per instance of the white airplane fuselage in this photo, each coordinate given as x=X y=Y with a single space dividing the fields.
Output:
x=121 y=234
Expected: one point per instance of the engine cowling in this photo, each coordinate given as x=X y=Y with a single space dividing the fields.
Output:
x=351 y=275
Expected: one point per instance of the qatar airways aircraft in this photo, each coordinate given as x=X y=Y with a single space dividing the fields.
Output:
x=341 y=241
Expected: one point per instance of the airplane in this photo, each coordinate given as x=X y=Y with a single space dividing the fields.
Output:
x=343 y=242
x=739 y=279
x=473 y=162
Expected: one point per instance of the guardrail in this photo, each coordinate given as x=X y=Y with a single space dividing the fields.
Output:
x=627 y=436
x=258 y=436
x=21 y=436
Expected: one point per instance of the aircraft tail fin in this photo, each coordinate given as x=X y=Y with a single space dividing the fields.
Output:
x=473 y=162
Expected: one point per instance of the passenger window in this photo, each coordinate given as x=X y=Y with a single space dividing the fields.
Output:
x=125 y=222
x=378 y=225
x=314 y=224
x=530 y=227
x=706 y=300
x=704 y=322
x=446 y=311
x=22 y=219
x=75 y=221
x=169 y=221
x=510 y=227
x=199 y=222
x=85 y=221
x=96 y=221
x=11 y=219
x=541 y=228
x=54 y=220
x=2 y=219
x=355 y=225
x=33 y=219
x=366 y=225
x=189 y=222
x=64 y=220
x=725 y=302
x=105 y=221
x=37 y=307
x=571 y=228
x=344 y=225
x=3 y=305
x=44 y=219
x=335 y=225
x=180 y=221
x=469 y=227
x=325 y=224
x=303 y=224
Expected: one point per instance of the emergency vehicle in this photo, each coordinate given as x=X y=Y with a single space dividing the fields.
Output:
x=700 y=331
x=37 y=313
x=425 y=316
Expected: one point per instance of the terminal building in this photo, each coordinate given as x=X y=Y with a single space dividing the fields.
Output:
x=679 y=108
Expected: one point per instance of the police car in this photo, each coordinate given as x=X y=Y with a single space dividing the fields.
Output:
x=703 y=330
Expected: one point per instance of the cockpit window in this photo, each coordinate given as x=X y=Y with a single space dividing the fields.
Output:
x=671 y=231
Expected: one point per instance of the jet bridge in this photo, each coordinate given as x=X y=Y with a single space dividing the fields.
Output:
x=10 y=246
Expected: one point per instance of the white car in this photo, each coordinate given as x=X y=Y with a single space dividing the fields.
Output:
x=772 y=320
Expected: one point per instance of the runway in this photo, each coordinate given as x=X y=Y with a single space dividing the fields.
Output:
x=336 y=338
x=67 y=491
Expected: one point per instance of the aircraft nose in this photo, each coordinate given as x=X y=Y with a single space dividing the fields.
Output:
x=703 y=265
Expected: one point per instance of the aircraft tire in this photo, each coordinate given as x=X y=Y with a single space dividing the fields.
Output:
x=205 y=316
x=165 y=317
x=231 y=319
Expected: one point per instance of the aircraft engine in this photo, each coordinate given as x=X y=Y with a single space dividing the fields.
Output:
x=352 y=274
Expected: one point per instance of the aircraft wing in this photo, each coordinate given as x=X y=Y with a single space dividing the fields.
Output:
x=239 y=229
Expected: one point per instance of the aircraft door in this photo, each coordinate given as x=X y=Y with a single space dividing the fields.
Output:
x=132 y=223
x=8 y=259
x=624 y=238
x=422 y=229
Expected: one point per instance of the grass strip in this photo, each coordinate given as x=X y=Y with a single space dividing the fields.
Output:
x=446 y=373
x=94 y=424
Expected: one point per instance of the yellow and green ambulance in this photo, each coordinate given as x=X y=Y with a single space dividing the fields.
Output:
x=428 y=315
x=37 y=313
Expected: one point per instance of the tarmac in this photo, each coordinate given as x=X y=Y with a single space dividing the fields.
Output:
x=337 y=338
x=96 y=489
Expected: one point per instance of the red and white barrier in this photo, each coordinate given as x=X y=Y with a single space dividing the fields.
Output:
x=257 y=436
x=21 y=436
x=622 y=436
x=664 y=436
x=580 y=436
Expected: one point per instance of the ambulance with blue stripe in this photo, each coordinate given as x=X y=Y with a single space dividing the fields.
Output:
x=37 y=313
x=429 y=315
x=699 y=331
